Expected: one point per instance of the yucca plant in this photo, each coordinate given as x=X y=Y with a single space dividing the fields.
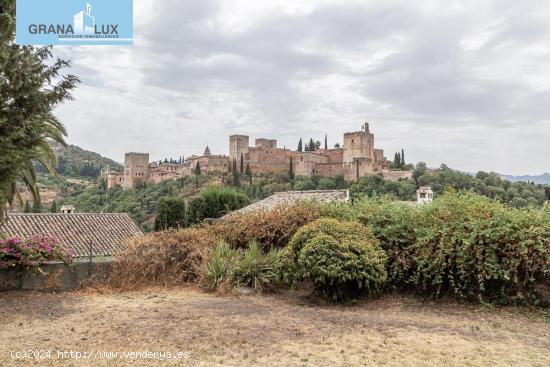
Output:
x=219 y=268
x=257 y=269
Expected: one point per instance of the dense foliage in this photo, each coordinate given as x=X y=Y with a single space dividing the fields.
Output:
x=474 y=248
x=491 y=185
x=30 y=253
x=269 y=228
x=31 y=85
x=341 y=259
x=171 y=213
x=215 y=201
x=464 y=245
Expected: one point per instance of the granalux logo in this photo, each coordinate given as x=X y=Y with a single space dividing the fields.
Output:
x=74 y=22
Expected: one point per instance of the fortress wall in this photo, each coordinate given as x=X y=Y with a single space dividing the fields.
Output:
x=329 y=169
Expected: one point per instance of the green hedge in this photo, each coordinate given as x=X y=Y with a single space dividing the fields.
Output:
x=342 y=259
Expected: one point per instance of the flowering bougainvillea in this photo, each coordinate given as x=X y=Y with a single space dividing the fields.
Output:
x=32 y=252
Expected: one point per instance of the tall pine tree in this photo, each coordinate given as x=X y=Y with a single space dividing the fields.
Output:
x=291 y=170
x=326 y=142
x=299 y=145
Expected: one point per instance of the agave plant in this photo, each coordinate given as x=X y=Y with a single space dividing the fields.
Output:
x=257 y=269
x=219 y=268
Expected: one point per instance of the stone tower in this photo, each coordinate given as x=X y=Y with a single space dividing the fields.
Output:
x=136 y=169
x=359 y=156
x=238 y=144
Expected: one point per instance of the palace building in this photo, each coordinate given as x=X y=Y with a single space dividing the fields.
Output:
x=356 y=158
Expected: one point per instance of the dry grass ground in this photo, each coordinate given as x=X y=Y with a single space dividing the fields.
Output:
x=285 y=330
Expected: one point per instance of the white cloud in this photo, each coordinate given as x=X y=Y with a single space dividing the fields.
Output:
x=462 y=82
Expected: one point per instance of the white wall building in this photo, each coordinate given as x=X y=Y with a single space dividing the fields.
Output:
x=424 y=195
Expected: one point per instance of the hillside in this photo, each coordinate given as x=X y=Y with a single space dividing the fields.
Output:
x=73 y=161
x=543 y=179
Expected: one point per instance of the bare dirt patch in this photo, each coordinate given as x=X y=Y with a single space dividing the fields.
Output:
x=282 y=329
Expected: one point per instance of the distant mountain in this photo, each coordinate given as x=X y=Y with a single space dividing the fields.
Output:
x=73 y=161
x=538 y=179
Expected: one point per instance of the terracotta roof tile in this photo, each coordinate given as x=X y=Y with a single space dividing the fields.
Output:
x=289 y=197
x=106 y=233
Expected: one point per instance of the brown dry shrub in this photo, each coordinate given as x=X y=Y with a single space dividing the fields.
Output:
x=269 y=228
x=162 y=258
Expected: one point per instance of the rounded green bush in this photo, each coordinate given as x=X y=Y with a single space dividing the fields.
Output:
x=342 y=259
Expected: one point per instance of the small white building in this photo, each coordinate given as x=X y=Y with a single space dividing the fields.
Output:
x=67 y=209
x=424 y=195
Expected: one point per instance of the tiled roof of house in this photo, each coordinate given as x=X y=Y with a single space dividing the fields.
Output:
x=106 y=233
x=289 y=197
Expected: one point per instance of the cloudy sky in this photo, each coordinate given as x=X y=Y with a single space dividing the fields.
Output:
x=461 y=82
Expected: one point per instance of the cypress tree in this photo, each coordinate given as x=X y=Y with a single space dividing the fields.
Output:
x=242 y=163
x=299 y=145
x=53 y=208
x=197 y=172
x=291 y=170
x=27 y=208
x=402 y=158
x=311 y=145
x=36 y=207
x=236 y=181
x=249 y=173
x=326 y=142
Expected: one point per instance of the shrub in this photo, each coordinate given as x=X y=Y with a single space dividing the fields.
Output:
x=257 y=269
x=30 y=253
x=473 y=248
x=170 y=214
x=269 y=228
x=341 y=259
x=221 y=200
x=162 y=258
x=197 y=210
x=394 y=225
x=218 y=269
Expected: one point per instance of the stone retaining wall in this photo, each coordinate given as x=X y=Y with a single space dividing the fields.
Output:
x=57 y=276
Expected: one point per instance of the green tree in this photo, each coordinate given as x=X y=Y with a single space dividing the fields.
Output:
x=326 y=142
x=53 y=208
x=27 y=208
x=197 y=172
x=197 y=210
x=248 y=173
x=242 y=163
x=300 y=145
x=170 y=214
x=235 y=173
x=31 y=85
x=36 y=207
x=402 y=158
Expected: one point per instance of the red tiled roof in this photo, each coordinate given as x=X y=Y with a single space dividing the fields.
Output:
x=289 y=197
x=106 y=232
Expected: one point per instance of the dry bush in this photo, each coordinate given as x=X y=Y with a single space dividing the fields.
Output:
x=162 y=258
x=269 y=228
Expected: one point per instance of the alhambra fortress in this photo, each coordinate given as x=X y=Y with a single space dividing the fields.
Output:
x=358 y=157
